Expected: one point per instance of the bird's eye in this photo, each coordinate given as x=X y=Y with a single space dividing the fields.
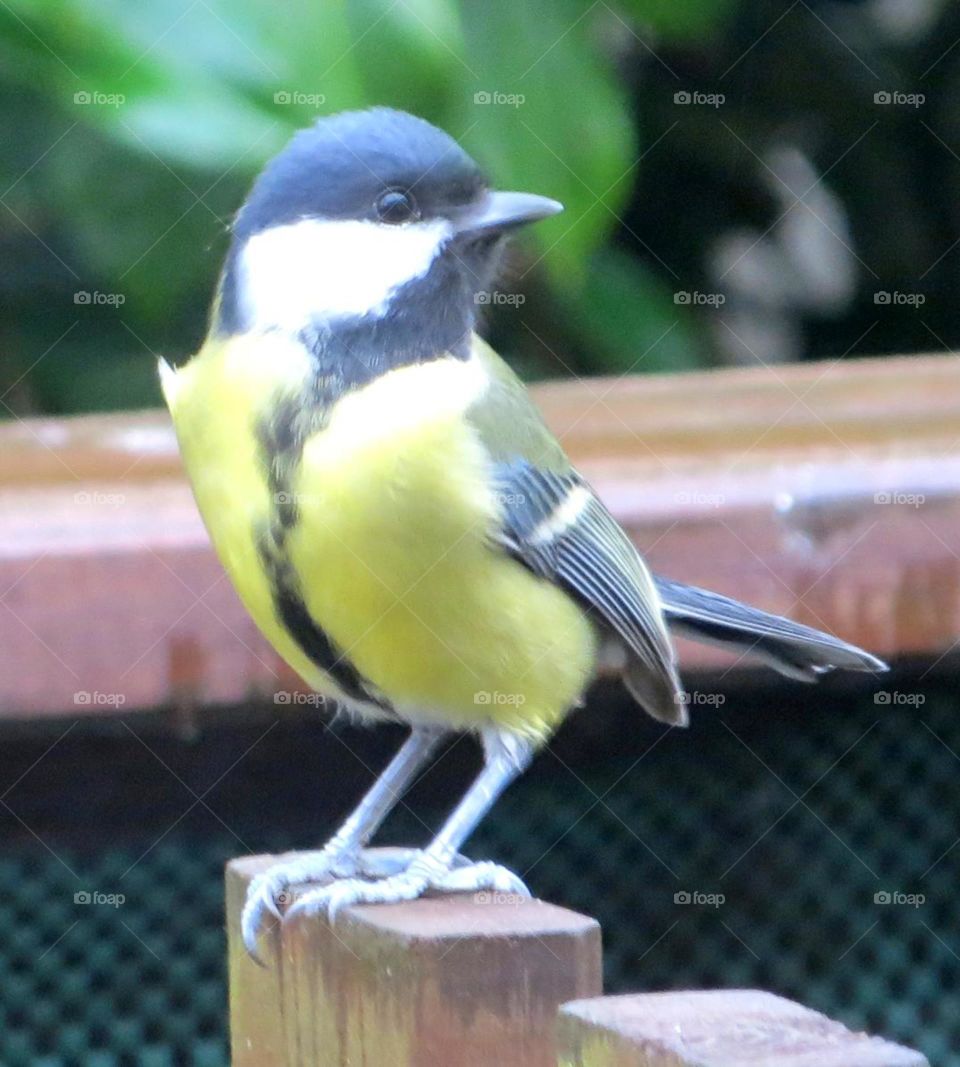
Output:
x=394 y=207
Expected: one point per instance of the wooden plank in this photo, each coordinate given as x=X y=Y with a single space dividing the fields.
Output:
x=828 y=492
x=715 y=1028
x=463 y=979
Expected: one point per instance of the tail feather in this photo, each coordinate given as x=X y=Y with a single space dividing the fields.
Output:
x=793 y=649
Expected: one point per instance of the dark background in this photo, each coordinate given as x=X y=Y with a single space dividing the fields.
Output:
x=799 y=808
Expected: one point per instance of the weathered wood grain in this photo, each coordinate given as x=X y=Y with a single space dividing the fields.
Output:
x=466 y=979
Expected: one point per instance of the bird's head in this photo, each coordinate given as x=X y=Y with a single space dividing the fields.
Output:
x=369 y=216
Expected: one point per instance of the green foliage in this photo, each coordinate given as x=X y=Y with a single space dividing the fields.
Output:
x=133 y=131
x=160 y=114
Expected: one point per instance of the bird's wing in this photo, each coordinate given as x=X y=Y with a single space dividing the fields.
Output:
x=556 y=526
x=553 y=523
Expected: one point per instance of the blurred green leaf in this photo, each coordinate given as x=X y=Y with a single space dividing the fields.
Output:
x=673 y=20
x=543 y=111
x=407 y=53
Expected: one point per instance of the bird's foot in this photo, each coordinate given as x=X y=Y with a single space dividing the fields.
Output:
x=420 y=877
x=275 y=889
x=269 y=891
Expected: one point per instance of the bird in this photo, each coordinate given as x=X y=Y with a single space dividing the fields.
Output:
x=394 y=513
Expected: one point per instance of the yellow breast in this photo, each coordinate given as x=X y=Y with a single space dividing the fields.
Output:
x=392 y=543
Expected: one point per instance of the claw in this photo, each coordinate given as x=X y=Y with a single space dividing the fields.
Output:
x=477 y=877
x=420 y=877
x=268 y=890
x=330 y=900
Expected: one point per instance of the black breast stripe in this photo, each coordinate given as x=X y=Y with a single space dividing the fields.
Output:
x=298 y=622
x=281 y=437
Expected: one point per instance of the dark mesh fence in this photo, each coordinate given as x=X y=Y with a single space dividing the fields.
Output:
x=796 y=839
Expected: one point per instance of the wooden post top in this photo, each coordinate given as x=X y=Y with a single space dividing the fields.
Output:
x=715 y=1028
x=466 y=979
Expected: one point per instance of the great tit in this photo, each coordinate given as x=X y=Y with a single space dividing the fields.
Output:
x=394 y=514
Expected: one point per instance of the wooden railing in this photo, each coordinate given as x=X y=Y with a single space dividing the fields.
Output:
x=829 y=492
x=470 y=980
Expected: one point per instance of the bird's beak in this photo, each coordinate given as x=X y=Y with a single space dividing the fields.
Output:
x=503 y=211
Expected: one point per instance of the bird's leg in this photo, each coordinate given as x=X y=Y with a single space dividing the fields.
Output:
x=437 y=866
x=340 y=857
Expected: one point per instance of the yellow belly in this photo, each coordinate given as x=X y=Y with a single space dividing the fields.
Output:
x=391 y=542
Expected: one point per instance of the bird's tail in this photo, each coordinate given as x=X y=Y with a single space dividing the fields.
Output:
x=793 y=649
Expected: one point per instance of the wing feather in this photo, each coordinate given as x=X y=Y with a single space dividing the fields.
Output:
x=556 y=526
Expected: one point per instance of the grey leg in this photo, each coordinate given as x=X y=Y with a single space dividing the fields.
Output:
x=382 y=797
x=433 y=868
x=340 y=857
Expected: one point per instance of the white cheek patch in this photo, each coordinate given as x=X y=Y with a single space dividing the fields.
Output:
x=318 y=269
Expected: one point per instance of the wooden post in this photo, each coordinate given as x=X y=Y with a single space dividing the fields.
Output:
x=716 y=1028
x=465 y=979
